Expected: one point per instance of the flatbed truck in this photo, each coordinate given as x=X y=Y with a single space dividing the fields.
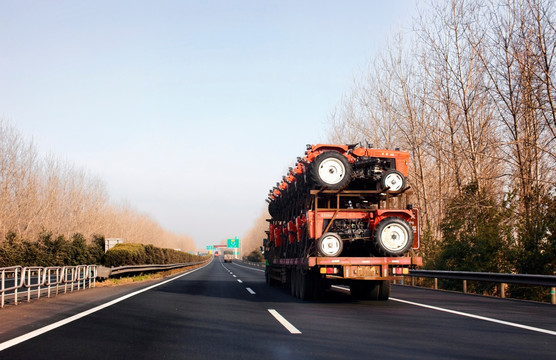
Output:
x=320 y=236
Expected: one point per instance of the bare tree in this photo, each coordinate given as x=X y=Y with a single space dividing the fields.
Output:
x=472 y=98
x=48 y=194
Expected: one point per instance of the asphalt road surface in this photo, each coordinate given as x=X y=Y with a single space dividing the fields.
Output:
x=226 y=311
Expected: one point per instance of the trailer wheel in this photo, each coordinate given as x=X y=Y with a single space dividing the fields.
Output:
x=298 y=284
x=293 y=283
x=332 y=170
x=306 y=286
x=302 y=286
x=330 y=244
x=269 y=280
x=316 y=285
x=393 y=237
x=364 y=289
x=384 y=292
x=393 y=179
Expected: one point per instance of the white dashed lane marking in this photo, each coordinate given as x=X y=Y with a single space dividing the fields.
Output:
x=285 y=323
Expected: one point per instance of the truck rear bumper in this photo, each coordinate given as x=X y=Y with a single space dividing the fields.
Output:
x=313 y=261
x=355 y=268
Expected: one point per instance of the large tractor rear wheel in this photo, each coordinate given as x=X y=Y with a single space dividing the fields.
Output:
x=393 y=236
x=331 y=170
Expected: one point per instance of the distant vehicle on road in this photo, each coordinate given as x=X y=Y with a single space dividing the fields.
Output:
x=228 y=258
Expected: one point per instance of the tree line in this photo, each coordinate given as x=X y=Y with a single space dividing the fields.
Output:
x=43 y=194
x=469 y=91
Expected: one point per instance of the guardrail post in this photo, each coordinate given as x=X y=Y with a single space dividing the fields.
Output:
x=553 y=296
x=15 y=284
x=3 y=278
x=92 y=274
x=465 y=286
x=435 y=283
x=29 y=288
x=58 y=279
x=72 y=278
x=413 y=281
x=39 y=283
x=502 y=290
x=65 y=275
x=47 y=271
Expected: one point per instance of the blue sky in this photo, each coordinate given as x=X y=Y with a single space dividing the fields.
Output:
x=188 y=110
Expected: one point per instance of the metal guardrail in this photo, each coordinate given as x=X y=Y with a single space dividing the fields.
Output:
x=19 y=283
x=137 y=269
x=257 y=264
x=500 y=278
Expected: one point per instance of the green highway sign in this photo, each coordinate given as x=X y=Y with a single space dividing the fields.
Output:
x=233 y=243
x=210 y=247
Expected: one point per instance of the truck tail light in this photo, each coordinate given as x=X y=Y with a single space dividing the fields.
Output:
x=329 y=270
x=400 y=271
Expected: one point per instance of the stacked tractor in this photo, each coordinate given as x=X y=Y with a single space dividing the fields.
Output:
x=342 y=215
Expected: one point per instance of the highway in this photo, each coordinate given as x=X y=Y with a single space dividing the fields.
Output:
x=226 y=311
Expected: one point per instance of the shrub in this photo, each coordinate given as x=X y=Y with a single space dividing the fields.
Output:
x=48 y=250
x=255 y=256
x=125 y=254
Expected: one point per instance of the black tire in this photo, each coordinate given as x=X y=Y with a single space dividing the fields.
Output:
x=273 y=209
x=331 y=170
x=293 y=283
x=365 y=289
x=330 y=244
x=384 y=292
x=298 y=283
x=317 y=285
x=393 y=179
x=303 y=283
x=393 y=236
x=307 y=285
x=269 y=280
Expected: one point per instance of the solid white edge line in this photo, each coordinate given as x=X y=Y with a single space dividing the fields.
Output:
x=549 y=332
x=285 y=323
x=251 y=291
x=45 y=329
x=248 y=267
x=478 y=317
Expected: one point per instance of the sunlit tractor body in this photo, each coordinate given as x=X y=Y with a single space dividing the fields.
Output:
x=338 y=167
x=347 y=166
x=347 y=223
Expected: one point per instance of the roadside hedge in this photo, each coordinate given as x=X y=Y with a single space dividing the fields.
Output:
x=49 y=250
x=139 y=254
